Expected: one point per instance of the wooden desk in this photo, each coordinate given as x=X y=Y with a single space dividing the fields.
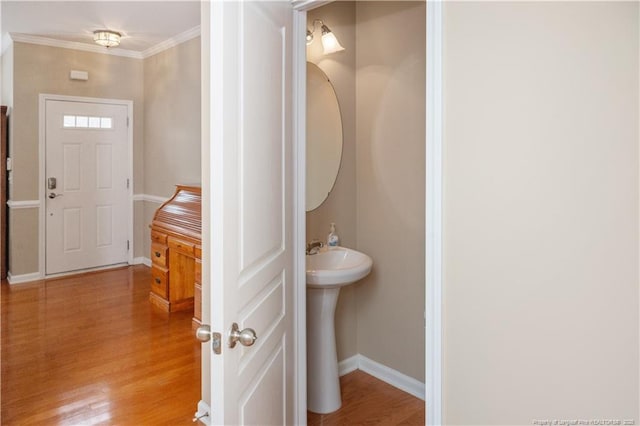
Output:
x=176 y=253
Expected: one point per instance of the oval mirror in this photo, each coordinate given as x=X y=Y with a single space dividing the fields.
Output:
x=324 y=137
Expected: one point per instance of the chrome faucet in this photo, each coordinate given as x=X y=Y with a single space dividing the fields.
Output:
x=314 y=247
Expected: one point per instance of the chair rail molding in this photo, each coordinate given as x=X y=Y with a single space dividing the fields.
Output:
x=150 y=198
x=23 y=204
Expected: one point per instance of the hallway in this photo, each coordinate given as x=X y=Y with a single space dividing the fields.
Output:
x=90 y=349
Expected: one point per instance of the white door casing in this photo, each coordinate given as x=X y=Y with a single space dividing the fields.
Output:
x=249 y=196
x=87 y=223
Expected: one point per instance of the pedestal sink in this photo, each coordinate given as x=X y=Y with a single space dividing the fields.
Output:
x=327 y=271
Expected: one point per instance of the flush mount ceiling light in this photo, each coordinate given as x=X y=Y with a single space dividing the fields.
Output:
x=330 y=43
x=106 y=38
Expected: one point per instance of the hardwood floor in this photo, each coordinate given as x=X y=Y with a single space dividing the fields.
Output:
x=369 y=401
x=91 y=349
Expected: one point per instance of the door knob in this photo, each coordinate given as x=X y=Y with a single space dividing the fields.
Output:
x=53 y=195
x=204 y=334
x=246 y=337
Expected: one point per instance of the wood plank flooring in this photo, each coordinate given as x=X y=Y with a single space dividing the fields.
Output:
x=90 y=349
x=369 y=401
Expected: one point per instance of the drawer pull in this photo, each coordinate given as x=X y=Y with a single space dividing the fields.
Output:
x=158 y=254
x=158 y=280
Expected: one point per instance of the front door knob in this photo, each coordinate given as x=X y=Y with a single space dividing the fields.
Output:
x=246 y=337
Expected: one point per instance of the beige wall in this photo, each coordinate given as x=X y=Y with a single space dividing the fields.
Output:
x=340 y=206
x=378 y=200
x=171 y=125
x=43 y=69
x=165 y=89
x=390 y=163
x=172 y=118
x=540 y=212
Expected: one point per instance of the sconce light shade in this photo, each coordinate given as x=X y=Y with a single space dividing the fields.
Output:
x=106 y=38
x=329 y=41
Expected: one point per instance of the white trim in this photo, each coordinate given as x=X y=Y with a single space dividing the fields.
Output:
x=299 y=61
x=142 y=261
x=348 y=365
x=131 y=214
x=306 y=5
x=24 y=278
x=392 y=377
x=172 y=42
x=5 y=45
x=433 y=214
x=23 y=204
x=94 y=48
x=382 y=372
x=43 y=97
x=150 y=198
x=37 y=276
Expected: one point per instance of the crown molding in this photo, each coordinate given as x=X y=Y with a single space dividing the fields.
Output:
x=44 y=41
x=94 y=48
x=172 y=42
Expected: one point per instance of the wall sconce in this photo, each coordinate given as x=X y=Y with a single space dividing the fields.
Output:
x=106 y=38
x=330 y=43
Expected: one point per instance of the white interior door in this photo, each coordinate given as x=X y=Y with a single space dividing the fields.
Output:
x=249 y=188
x=86 y=185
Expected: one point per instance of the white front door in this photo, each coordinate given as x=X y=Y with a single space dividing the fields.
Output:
x=86 y=185
x=248 y=187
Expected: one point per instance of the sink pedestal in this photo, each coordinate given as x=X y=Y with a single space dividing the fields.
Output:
x=327 y=271
x=323 y=383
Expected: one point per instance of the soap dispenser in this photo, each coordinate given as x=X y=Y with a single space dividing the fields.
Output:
x=332 y=239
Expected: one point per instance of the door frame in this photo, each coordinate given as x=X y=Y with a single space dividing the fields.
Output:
x=433 y=213
x=43 y=98
x=433 y=204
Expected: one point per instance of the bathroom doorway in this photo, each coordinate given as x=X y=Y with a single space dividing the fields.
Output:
x=378 y=200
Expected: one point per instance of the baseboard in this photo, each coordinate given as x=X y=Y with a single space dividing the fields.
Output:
x=348 y=365
x=24 y=278
x=142 y=261
x=384 y=373
x=36 y=276
x=202 y=415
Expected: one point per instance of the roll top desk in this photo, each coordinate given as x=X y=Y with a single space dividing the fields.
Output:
x=176 y=253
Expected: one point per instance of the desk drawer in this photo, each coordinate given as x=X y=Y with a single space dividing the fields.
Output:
x=159 y=254
x=159 y=281
x=183 y=246
x=158 y=237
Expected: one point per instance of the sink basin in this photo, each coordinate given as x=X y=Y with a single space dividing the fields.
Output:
x=336 y=267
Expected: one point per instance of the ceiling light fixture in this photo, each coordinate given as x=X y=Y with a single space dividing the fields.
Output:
x=330 y=43
x=106 y=38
